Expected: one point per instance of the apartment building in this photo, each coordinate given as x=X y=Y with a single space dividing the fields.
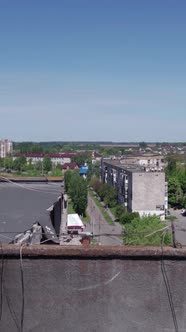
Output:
x=56 y=158
x=138 y=189
x=6 y=147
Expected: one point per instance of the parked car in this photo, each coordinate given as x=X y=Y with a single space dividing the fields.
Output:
x=184 y=213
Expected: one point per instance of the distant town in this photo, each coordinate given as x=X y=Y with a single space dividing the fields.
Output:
x=100 y=187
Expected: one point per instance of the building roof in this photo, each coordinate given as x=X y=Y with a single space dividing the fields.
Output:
x=42 y=155
x=74 y=221
x=23 y=204
x=71 y=165
x=83 y=170
x=127 y=167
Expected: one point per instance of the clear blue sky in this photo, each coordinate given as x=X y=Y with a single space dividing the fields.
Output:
x=93 y=70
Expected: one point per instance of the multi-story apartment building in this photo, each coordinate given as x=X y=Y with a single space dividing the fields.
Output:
x=138 y=189
x=6 y=147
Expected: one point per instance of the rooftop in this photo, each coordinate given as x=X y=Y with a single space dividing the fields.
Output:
x=23 y=204
x=129 y=167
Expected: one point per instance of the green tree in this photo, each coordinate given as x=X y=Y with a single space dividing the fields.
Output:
x=8 y=162
x=103 y=190
x=95 y=184
x=67 y=179
x=110 y=198
x=39 y=166
x=127 y=217
x=47 y=164
x=171 y=166
x=175 y=193
x=78 y=194
x=76 y=187
x=120 y=209
x=82 y=158
x=19 y=164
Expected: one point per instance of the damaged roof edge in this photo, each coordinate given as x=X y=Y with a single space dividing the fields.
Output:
x=92 y=252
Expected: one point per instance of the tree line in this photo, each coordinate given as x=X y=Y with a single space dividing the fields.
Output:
x=176 y=177
x=108 y=195
x=76 y=188
x=20 y=164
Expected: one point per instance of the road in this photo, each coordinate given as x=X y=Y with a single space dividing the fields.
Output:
x=99 y=226
x=180 y=226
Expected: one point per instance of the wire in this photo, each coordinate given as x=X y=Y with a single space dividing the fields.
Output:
x=30 y=188
x=23 y=289
x=159 y=230
x=52 y=238
x=6 y=237
x=167 y=285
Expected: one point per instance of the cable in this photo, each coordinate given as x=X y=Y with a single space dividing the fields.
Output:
x=167 y=285
x=31 y=188
x=159 y=230
x=34 y=189
x=6 y=237
x=52 y=238
x=23 y=289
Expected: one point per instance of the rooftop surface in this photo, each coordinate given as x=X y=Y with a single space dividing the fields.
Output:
x=130 y=168
x=23 y=204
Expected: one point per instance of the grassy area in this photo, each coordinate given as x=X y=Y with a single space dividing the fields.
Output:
x=113 y=210
x=101 y=208
x=71 y=211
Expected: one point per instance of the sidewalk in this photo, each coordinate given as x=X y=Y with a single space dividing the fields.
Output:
x=99 y=226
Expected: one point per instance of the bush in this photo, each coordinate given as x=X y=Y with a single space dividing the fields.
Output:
x=137 y=232
x=127 y=217
x=119 y=210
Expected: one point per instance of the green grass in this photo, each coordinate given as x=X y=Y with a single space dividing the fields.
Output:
x=70 y=208
x=101 y=208
x=72 y=211
x=113 y=210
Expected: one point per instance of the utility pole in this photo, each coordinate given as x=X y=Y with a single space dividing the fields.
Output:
x=99 y=230
x=173 y=235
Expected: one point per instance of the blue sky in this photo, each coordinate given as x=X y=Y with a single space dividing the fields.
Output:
x=93 y=70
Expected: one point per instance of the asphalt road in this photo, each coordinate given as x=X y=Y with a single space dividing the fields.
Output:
x=23 y=204
x=180 y=226
x=99 y=226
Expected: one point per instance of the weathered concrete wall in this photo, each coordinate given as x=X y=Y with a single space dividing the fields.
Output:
x=82 y=292
x=55 y=215
x=148 y=191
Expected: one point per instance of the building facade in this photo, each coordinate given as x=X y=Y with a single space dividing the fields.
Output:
x=56 y=158
x=6 y=147
x=138 y=189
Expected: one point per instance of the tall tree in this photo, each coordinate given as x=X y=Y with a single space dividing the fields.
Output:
x=76 y=187
x=47 y=164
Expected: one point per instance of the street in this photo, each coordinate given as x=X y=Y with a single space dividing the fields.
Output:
x=99 y=226
x=180 y=226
